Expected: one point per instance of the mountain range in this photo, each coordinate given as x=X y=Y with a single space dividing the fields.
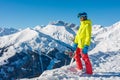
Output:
x=33 y=52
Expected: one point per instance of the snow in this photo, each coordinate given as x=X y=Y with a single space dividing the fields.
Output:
x=105 y=67
x=22 y=36
x=16 y=40
x=104 y=51
x=7 y=31
x=6 y=55
x=58 y=32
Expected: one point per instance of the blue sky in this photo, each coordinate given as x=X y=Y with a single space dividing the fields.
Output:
x=30 y=13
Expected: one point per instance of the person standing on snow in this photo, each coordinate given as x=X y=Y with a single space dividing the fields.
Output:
x=82 y=42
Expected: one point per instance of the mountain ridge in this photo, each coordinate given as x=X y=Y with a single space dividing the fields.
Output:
x=42 y=48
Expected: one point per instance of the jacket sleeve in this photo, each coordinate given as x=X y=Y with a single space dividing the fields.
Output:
x=76 y=39
x=88 y=34
x=77 y=36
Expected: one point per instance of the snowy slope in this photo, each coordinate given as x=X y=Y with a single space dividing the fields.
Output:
x=108 y=38
x=14 y=41
x=59 y=33
x=105 y=57
x=7 y=31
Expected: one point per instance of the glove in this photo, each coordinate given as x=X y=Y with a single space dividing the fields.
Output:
x=74 y=45
x=85 y=49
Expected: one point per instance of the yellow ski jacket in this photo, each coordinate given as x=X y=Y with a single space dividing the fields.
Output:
x=83 y=36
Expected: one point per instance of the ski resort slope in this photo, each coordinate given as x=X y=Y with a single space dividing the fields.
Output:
x=105 y=57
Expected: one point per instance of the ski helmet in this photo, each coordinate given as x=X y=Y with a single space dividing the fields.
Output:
x=83 y=14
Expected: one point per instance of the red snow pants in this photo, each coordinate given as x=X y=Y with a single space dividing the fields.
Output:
x=85 y=58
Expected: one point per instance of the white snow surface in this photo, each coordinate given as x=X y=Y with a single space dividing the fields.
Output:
x=104 y=51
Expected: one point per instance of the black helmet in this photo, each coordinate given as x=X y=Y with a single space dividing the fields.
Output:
x=83 y=14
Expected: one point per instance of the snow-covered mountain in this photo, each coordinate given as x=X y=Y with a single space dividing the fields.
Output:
x=7 y=31
x=29 y=52
x=62 y=32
